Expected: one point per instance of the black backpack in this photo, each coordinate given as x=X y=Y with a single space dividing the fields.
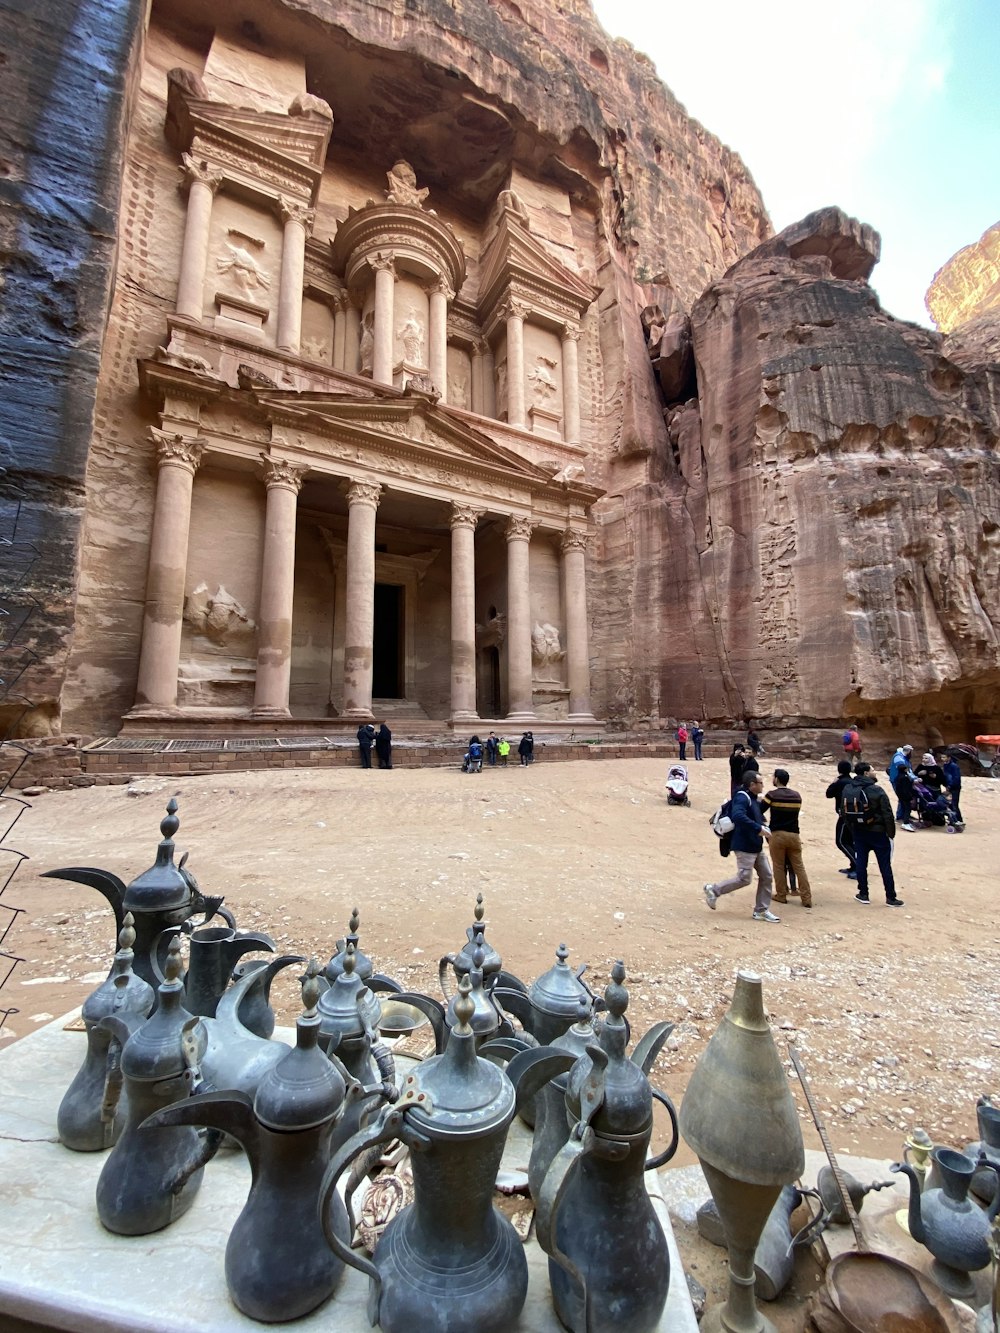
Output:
x=856 y=806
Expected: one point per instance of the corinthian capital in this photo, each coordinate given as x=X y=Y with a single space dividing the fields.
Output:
x=382 y=263
x=174 y=450
x=192 y=170
x=363 y=493
x=440 y=285
x=573 y=541
x=519 y=528
x=290 y=210
x=572 y=333
x=279 y=472
x=512 y=309
x=465 y=516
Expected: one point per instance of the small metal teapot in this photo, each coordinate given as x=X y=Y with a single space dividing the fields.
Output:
x=460 y=963
x=605 y=1277
x=954 y=1229
x=81 y=1121
x=348 y=1013
x=449 y=1260
x=377 y=982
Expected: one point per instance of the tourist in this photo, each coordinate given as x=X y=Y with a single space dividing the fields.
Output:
x=366 y=739
x=899 y=764
x=526 y=749
x=383 y=746
x=747 y=842
x=930 y=773
x=867 y=807
x=753 y=743
x=785 y=844
x=953 y=782
x=843 y=834
x=491 y=749
x=750 y=765
x=905 y=798
x=737 y=762
x=698 y=737
x=852 y=743
x=503 y=750
x=682 y=740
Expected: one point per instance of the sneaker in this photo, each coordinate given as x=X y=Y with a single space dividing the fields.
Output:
x=765 y=916
x=893 y=902
x=711 y=897
x=861 y=898
x=909 y=828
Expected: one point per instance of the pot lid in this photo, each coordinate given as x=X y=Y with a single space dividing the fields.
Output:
x=122 y=992
x=558 y=990
x=475 y=937
x=362 y=963
x=163 y=887
x=485 y=1018
x=155 y=1051
x=304 y=1089
x=347 y=1008
x=627 y=1105
x=468 y=1096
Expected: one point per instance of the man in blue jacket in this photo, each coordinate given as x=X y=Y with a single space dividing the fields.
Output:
x=748 y=847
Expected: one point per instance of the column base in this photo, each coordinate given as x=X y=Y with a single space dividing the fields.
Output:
x=270 y=710
x=153 y=710
x=521 y=717
x=582 y=719
x=358 y=715
x=464 y=717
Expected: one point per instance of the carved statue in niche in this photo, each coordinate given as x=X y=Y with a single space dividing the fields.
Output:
x=411 y=334
x=316 y=349
x=501 y=389
x=403 y=186
x=458 y=389
x=246 y=272
x=546 y=650
x=543 y=385
x=493 y=633
x=221 y=619
x=367 y=350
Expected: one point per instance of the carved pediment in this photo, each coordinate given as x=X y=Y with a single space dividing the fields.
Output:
x=516 y=263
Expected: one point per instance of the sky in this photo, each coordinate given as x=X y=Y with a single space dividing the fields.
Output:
x=890 y=109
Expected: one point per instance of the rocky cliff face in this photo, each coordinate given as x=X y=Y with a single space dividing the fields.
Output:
x=968 y=285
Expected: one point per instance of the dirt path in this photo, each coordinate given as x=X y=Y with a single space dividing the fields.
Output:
x=896 y=1014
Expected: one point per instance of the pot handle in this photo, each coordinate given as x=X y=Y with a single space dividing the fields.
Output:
x=654 y=1163
x=168 y=932
x=447 y=990
x=432 y=1009
x=550 y=1197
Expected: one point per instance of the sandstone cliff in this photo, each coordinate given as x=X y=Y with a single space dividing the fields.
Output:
x=968 y=285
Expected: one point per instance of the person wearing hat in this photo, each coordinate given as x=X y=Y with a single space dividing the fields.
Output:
x=901 y=781
x=931 y=774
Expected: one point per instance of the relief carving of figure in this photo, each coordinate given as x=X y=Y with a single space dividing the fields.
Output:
x=543 y=385
x=458 y=390
x=220 y=618
x=403 y=186
x=493 y=633
x=367 y=350
x=411 y=335
x=246 y=272
x=501 y=386
x=545 y=648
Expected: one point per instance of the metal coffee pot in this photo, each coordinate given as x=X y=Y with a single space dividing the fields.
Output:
x=460 y=963
x=552 y=1124
x=609 y=1266
x=161 y=900
x=151 y=1179
x=278 y=1264
x=348 y=1016
x=450 y=1262
x=954 y=1229
x=213 y=953
x=984 y=1183
x=377 y=982
x=82 y=1123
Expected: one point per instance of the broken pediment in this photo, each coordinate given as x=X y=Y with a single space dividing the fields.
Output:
x=517 y=265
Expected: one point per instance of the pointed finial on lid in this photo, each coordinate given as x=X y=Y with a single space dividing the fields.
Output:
x=310 y=988
x=172 y=967
x=126 y=936
x=464 y=1007
x=586 y=1013
x=170 y=825
x=480 y=909
x=562 y=953
x=355 y=922
x=615 y=994
x=350 y=962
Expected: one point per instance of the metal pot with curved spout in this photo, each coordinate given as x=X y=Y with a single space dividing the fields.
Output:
x=348 y=1012
x=213 y=953
x=953 y=1228
x=607 y=1277
x=278 y=1264
x=82 y=1121
x=449 y=1262
x=984 y=1183
x=377 y=982
x=460 y=962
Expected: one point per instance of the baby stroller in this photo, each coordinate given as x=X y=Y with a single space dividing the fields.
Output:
x=473 y=760
x=677 y=785
x=933 y=810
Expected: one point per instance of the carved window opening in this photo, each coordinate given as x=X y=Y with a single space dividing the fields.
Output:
x=389 y=641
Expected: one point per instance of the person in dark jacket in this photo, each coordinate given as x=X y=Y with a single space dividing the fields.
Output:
x=753 y=743
x=526 y=749
x=874 y=829
x=953 y=781
x=698 y=736
x=747 y=844
x=366 y=738
x=383 y=746
x=737 y=762
x=843 y=834
x=492 y=745
x=930 y=773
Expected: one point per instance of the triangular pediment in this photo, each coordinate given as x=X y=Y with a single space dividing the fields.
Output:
x=514 y=256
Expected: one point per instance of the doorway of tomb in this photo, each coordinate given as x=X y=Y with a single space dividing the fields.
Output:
x=388 y=642
x=490 y=706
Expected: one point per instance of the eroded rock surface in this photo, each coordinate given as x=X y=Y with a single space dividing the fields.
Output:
x=968 y=285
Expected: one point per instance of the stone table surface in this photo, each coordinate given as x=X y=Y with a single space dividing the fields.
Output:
x=60 y=1268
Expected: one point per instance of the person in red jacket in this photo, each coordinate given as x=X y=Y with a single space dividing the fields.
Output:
x=852 y=743
x=682 y=740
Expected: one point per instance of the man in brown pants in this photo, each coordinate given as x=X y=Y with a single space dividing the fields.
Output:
x=786 y=845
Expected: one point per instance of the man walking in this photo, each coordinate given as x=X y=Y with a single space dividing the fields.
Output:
x=748 y=846
x=867 y=808
x=785 y=844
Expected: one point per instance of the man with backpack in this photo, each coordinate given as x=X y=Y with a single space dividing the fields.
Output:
x=852 y=743
x=867 y=809
x=747 y=843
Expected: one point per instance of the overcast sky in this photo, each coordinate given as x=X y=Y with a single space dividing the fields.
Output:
x=890 y=109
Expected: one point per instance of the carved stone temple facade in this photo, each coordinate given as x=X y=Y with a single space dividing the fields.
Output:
x=426 y=361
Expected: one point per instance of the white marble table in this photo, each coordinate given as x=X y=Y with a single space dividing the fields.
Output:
x=61 y=1269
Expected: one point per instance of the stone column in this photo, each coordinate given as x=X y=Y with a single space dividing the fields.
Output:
x=339 y=307
x=298 y=220
x=159 y=657
x=352 y=338
x=385 y=286
x=437 y=364
x=362 y=500
x=571 y=384
x=515 y=314
x=463 y=612
x=478 y=370
x=202 y=185
x=519 y=701
x=574 y=588
x=277 y=585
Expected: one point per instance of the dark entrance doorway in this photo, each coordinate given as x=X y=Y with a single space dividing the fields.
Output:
x=387 y=659
x=493 y=682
